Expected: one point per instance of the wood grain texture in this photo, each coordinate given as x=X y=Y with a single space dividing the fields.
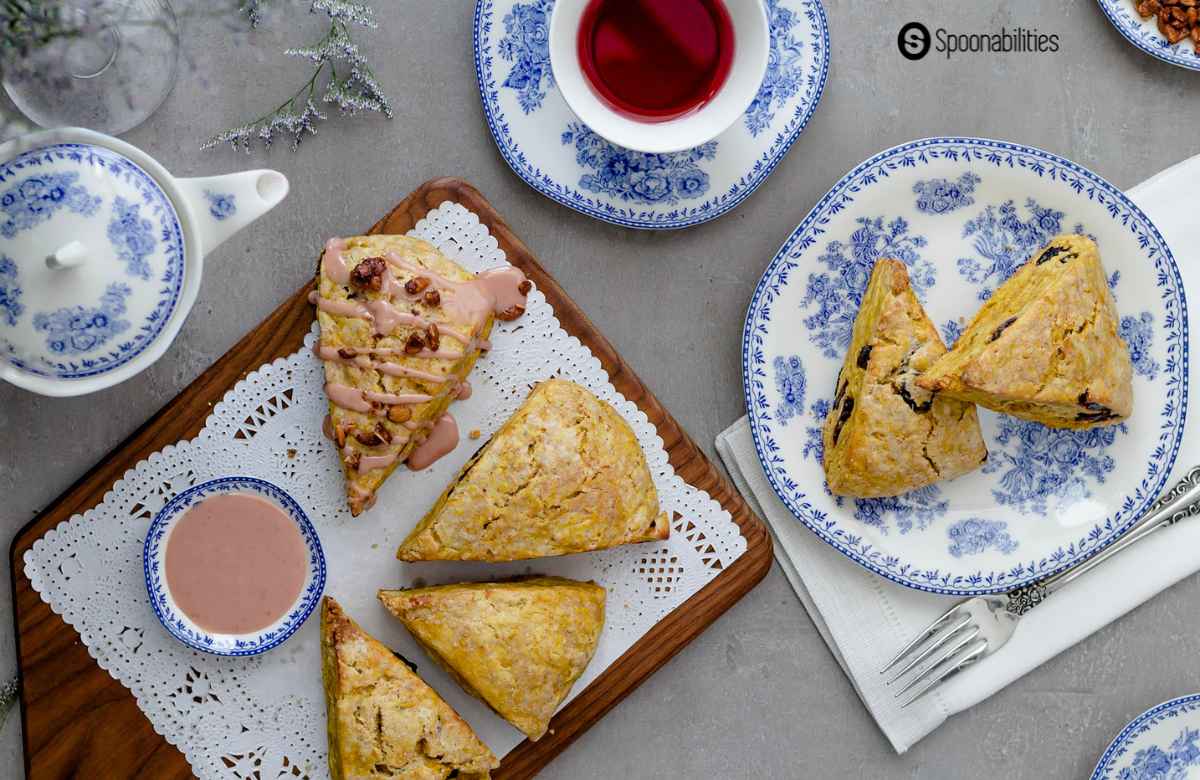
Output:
x=80 y=722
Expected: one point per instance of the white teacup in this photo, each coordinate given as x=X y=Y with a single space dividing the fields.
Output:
x=751 y=49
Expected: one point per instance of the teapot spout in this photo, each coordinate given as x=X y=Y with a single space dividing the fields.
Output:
x=223 y=205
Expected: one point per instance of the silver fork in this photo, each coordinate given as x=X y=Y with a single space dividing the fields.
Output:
x=976 y=628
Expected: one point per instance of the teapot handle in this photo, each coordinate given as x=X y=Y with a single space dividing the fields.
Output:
x=223 y=205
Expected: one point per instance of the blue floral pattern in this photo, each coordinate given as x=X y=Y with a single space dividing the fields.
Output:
x=156 y=221
x=1154 y=763
x=526 y=44
x=132 y=237
x=221 y=205
x=975 y=535
x=1138 y=752
x=951 y=330
x=1004 y=241
x=511 y=59
x=941 y=196
x=917 y=509
x=1144 y=35
x=1036 y=462
x=10 y=292
x=790 y=382
x=76 y=330
x=35 y=199
x=785 y=71
x=1138 y=333
x=783 y=299
x=838 y=293
x=638 y=177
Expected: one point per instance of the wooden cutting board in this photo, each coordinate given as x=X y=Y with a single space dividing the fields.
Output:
x=80 y=722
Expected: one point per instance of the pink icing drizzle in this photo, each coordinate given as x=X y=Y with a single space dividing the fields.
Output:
x=494 y=291
x=441 y=441
x=333 y=263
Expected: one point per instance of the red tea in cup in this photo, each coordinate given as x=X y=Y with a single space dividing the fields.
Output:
x=656 y=60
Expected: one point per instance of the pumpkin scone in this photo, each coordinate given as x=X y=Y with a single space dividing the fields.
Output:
x=519 y=646
x=1046 y=346
x=384 y=721
x=565 y=474
x=884 y=435
x=401 y=327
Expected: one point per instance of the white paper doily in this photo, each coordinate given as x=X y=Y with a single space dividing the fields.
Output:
x=263 y=717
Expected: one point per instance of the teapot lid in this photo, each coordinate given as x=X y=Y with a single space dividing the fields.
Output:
x=91 y=262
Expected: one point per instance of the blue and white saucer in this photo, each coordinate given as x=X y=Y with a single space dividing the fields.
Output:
x=1144 y=34
x=548 y=147
x=177 y=622
x=963 y=214
x=1162 y=743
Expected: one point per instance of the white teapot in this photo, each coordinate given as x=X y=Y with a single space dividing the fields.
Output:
x=101 y=253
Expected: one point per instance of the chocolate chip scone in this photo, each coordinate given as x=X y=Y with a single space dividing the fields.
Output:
x=1046 y=346
x=384 y=721
x=401 y=327
x=565 y=474
x=519 y=646
x=884 y=435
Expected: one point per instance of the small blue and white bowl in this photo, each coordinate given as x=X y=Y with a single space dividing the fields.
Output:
x=177 y=623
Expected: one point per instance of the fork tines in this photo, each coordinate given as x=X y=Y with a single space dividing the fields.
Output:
x=947 y=646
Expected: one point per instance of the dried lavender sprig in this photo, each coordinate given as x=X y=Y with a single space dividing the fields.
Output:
x=347 y=11
x=359 y=91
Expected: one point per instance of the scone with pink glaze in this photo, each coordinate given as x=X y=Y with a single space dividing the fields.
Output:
x=401 y=327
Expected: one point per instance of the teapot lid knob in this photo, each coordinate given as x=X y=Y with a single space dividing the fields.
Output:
x=68 y=255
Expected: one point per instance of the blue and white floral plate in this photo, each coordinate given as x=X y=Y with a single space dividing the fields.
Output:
x=177 y=622
x=963 y=213
x=548 y=147
x=1144 y=34
x=1162 y=743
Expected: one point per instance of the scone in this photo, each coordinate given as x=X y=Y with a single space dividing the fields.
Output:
x=884 y=435
x=565 y=474
x=401 y=327
x=519 y=646
x=1046 y=346
x=384 y=721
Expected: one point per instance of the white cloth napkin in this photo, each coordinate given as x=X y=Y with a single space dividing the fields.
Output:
x=865 y=619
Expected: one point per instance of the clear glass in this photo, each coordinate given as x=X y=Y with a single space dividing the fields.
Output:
x=103 y=64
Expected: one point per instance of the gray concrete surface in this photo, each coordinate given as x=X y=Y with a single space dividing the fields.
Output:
x=758 y=695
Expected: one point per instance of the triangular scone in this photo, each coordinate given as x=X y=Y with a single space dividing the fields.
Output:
x=884 y=435
x=384 y=721
x=400 y=331
x=519 y=646
x=1046 y=346
x=565 y=474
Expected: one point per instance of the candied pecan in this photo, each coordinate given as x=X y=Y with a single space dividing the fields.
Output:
x=432 y=337
x=416 y=285
x=354 y=459
x=382 y=432
x=369 y=273
x=368 y=438
x=346 y=353
x=433 y=297
x=399 y=414
x=414 y=344
x=511 y=313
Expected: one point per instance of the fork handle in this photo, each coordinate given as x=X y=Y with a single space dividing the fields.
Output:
x=1179 y=503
